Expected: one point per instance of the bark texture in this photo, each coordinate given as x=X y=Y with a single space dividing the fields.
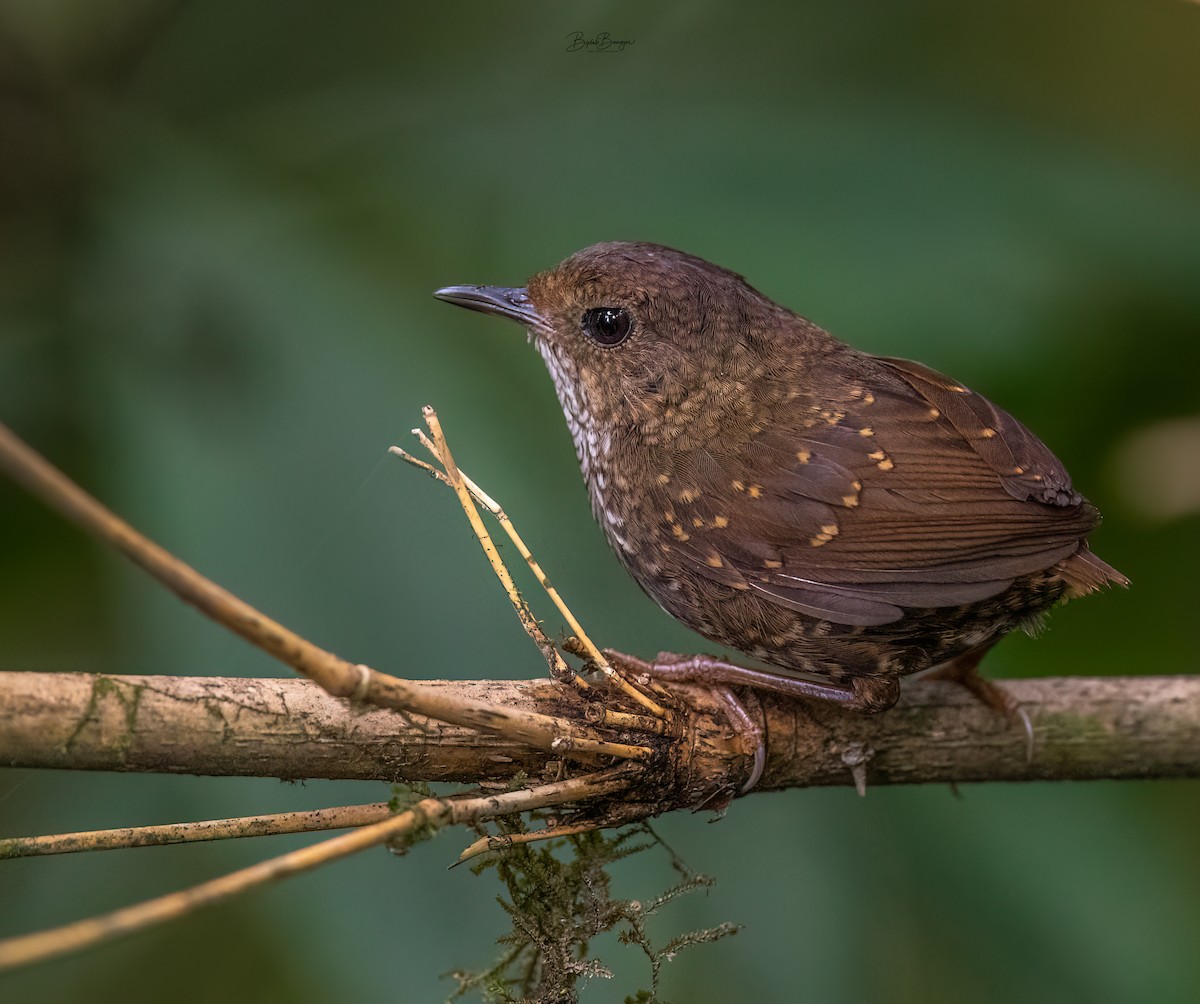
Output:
x=1086 y=728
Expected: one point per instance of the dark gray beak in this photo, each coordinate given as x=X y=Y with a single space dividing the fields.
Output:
x=512 y=303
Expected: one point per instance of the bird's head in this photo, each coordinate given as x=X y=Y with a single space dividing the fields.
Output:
x=639 y=335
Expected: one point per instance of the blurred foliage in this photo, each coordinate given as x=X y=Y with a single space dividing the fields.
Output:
x=221 y=225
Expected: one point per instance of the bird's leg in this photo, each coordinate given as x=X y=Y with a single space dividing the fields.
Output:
x=865 y=694
x=868 y=694
x=964 y=670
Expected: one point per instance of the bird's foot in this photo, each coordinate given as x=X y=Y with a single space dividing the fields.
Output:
x=865 y=694
x=964 y=670
x=703 y=671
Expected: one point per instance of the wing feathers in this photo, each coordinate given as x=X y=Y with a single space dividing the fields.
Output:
x=1027 y=469
x=910 y=493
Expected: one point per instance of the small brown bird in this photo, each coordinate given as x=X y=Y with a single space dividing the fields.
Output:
x=846 y=516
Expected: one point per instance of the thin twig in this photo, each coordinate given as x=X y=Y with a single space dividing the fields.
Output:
x=506 y=840
x=423 y=819
x=338 y=818
x=558 y=666
x=458 y=482
x=597 y=713
x=334 y=674
x=593 y=653
x=82 y=934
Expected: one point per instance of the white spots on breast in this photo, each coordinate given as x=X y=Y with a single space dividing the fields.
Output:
x=590 y=446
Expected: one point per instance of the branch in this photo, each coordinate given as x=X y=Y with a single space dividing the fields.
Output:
x=342 y=817
x=1085 y=729
x=424 y=818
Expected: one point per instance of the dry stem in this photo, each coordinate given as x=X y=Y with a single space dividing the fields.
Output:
x=558 y=666
x=497 y=843
x=597 y=713
x=429 y=815
x=459 y=482
x=309 y=821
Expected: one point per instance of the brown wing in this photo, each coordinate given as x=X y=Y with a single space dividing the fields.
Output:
x=907 y=491
x=1028 y=470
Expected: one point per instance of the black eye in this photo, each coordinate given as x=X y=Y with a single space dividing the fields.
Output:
x=607 y=325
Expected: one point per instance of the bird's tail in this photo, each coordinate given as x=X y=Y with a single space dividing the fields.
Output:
x=1084 y=573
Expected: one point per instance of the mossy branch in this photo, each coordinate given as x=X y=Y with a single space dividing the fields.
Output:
x=1086 y=728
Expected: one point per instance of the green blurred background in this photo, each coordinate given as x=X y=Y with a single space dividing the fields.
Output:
x=220 y=224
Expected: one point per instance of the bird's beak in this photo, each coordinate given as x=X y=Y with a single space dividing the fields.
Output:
x=512 y=303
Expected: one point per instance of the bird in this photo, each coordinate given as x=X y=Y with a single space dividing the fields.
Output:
x=847 y=519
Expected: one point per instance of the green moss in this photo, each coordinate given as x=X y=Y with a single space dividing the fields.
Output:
x=559 y=903
x=406 y=795
x=129 y=695
x=1074 y=726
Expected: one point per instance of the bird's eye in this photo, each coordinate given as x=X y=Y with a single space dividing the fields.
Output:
x=607 y=325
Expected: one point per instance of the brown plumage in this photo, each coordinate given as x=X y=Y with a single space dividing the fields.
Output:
x=842 y=515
